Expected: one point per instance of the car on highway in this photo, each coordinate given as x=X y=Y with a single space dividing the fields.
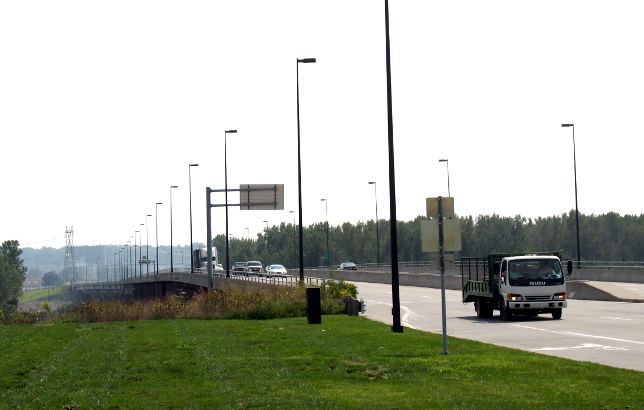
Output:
x=348 y=266
x=238 y=267
x=253 y=268
x=276 y=270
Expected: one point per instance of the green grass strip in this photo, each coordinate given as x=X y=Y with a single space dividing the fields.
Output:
x=346 y=362
x=41 y=295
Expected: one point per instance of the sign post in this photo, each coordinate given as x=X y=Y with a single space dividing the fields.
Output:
x=441 y=233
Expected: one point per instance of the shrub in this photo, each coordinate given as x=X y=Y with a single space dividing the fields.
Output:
x=338 y=289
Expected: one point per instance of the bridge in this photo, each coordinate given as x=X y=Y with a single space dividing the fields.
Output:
x=181 y=282
x=595 y=282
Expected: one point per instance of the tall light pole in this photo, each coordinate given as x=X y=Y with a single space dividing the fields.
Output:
x=192 y=264
x=226 y=132
x=141 y=248
x=375 y=194
x=574 y=158
x=247 y=233
x=326 y=213
x=128 y=266
x=135 y=260
x=293 y=243
x=156 y=231
x=299 y=163
x=171 y=259
x=147 y=246
x=266 y=236
x=395 y=284
x=447 y=162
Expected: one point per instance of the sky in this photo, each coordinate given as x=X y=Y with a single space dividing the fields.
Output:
x=104 y=104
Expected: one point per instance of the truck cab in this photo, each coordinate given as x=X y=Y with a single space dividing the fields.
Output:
x=530 y=285
x=525 y=284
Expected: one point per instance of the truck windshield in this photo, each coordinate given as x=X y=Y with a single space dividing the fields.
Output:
x=535 y=272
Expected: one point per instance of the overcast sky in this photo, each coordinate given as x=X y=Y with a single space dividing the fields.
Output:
x=104 y=104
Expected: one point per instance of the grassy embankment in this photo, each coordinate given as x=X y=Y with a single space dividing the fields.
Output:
x=41 y=295
x=346 y=362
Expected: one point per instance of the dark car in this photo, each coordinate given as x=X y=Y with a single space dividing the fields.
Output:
x=238 y=267
x=253 y=268
x=348 y=266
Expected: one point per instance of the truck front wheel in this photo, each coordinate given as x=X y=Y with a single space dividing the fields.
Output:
x=556 y=314
x=506 y=312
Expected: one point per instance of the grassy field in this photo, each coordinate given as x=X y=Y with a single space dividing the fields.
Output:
x=346 y=362
x=41 y=295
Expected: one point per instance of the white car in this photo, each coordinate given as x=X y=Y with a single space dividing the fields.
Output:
x=276 y=270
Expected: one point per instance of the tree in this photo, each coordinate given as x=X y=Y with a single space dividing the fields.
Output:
x=12 y=275
x=50 y=279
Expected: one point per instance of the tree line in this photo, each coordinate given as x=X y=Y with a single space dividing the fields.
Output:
x=605 y=237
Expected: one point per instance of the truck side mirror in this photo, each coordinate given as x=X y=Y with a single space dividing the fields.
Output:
x=569 y=266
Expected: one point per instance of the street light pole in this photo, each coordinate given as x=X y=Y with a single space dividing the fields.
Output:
x=226 y=132
x=299 y=163
x=147 y=246
x=135 y=260
x=375 y=194
x=574 y=156
x=156 y=231
x=395 y=285
x=247 y=233
x=171 y=259
x=447 y=162
x=326 y=213
x=192 y=264
x=156 y=262
x=266 y=236
x=293 y=243
x=141 y=248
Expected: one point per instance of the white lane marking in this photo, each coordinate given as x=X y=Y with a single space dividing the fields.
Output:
x=582 y=346
x=406 y=312
x=613 y=318
x=405 y=318
x=582 y=334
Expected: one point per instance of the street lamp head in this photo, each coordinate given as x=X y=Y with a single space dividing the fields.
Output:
x=173 y=186
x=443 y=160
x=158 y=203
x=193 y=165
x=147 y=215
x=306 y=60
x=323 y=199
x=567 y=125
x=231 y=131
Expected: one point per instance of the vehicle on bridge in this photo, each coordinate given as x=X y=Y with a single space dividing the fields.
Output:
x=238 y=267
x=253 y=268
x=526 y=284
x=200 y=259
x=348 y=266
x=276 y=270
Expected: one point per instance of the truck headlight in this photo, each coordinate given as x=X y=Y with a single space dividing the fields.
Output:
x=560 y=296
x=513 y=297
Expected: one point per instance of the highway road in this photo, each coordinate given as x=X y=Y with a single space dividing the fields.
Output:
x=609 y=333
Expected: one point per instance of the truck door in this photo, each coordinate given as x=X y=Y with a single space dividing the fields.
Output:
x=503 y=277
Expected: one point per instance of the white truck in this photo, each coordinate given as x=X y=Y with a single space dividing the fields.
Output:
x=525 y=284
x=200 y=259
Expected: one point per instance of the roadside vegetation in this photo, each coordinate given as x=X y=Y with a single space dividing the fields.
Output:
x=278 y=302
x=346 y=362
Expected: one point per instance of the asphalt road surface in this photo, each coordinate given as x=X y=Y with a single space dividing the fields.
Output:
x=610 y=333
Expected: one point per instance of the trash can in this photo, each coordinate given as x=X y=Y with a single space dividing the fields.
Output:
x=313 y=307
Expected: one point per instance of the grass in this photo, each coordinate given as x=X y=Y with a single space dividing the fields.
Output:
x=41 y=295
x=347 y=362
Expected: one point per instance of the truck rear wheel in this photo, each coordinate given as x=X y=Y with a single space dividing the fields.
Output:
x=483 y=309
x=556 y=314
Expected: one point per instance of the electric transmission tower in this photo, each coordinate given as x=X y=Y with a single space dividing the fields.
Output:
x=69 y=271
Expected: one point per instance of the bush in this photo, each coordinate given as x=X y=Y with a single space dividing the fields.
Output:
x=338 y=289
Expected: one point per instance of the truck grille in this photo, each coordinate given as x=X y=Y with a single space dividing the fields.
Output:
x=538 y=298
